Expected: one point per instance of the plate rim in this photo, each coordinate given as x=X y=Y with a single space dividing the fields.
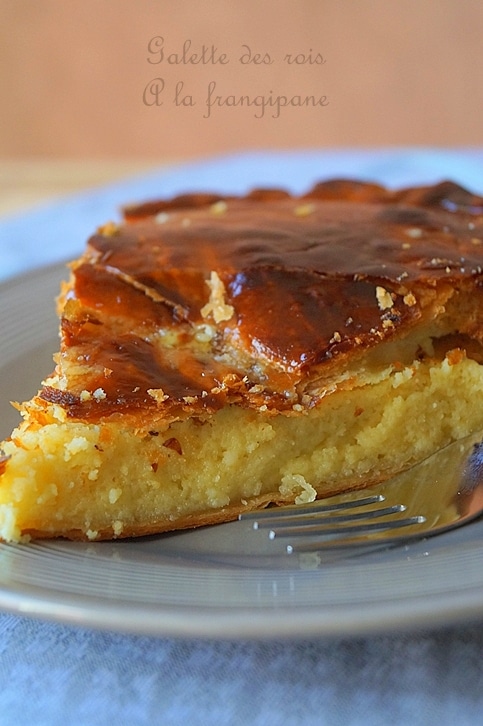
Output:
x=245 y=623
x=213 y=622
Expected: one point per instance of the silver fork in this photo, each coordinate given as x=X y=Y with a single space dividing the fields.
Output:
x=440 y=493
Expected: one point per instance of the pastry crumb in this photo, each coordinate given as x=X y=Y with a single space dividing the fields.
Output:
x=384 y=298
x=414 y=232
x=409 y=300
x=109 y=229
x=298 y=485
x=158 y=394
x=114 y=494
x=117 y=527
x=304 y=210
x=219 y=208
x=216 y=306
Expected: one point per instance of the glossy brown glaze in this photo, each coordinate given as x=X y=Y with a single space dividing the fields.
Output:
x=307 y=281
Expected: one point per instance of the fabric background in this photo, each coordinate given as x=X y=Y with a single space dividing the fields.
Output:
x=54 y=675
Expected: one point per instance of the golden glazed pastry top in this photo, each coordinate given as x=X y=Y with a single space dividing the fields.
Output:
x=203 y=299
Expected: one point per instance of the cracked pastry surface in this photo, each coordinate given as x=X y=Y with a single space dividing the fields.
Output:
x=222 y=353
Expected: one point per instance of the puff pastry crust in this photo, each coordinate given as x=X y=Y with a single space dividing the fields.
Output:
x=223 y=353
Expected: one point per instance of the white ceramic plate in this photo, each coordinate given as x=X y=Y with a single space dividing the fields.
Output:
x=212 y=582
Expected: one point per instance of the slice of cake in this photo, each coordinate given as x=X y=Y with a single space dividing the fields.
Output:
x=220 y=354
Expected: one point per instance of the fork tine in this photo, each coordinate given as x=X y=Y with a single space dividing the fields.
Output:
x=319 y=506
x=348 y=520
x=437 y=494
x=341 y=537
x=356 y=535
x=316 y=522
x=357 y=528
